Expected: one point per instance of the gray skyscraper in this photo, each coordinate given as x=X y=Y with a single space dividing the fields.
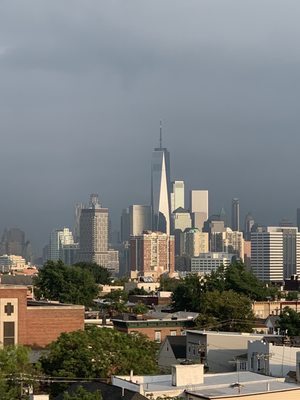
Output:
x=235 y=214
x=298 y=219
x=140 y=219
x=160 y=189
x=249 y=222
x=94 y=236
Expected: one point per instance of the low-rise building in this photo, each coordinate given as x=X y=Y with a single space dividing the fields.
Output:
x=34 y=323
x=262 y=309
x=157 y=326
x=189 y=382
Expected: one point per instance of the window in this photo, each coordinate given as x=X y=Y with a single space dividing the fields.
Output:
x=157 y=336
x=8 y=333
x=173 y=333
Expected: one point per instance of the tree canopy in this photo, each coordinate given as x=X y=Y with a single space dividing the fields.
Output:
x=82 y=394
x=289 y=322
x=15 y=369
x=100 y=274
x=99 y=353
x=65 y=283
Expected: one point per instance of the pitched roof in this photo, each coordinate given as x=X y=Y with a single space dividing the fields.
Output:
x=25 y=280
x=108 y=392
x=178 y=345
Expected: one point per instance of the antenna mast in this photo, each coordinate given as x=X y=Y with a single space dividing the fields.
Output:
x=160 y=134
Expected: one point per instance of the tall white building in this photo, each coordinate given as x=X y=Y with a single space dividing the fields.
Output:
x=196 y=242
x=160 y=189
x=199 y=207
x=177 y=195
x=140 y=219
x=275 y=253
x=180 y=219
x=59 y=238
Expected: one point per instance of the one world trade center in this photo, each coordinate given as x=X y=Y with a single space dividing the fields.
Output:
x=160 y=189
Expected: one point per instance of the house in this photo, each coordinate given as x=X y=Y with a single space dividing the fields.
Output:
x=190 y=383
x=34 y=323
x=218 y=350
x=172 y=351
x=271 y=323
x=272 y=356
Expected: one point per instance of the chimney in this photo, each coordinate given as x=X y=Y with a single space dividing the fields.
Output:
x=183 y=375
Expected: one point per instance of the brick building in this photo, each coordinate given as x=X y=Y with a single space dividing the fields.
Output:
x=34 y=323
x=152 y=254
x=155 y=329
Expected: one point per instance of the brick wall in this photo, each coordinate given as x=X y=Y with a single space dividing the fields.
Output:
x=164 y=331
x=45 y=324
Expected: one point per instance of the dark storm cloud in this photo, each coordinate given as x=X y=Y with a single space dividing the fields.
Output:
x=83 y=86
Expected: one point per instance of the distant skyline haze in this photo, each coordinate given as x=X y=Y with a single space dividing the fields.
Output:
x=83 y=87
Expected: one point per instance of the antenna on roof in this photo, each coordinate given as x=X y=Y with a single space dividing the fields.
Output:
x=160 y=134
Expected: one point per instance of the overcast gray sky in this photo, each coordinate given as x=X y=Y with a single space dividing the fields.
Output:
x=83 y=85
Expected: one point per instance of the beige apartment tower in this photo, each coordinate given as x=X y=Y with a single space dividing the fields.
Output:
x=199 y=207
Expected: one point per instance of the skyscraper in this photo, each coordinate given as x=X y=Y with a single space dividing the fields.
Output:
x=177 y=195
x=94 y=237
x=298 y=219
x=58 y=239
x=199 y=207
x=160 y=189
x=139 y=219
x=275 y=253
x=249 y=222
x=152 y=254
x=235 y=214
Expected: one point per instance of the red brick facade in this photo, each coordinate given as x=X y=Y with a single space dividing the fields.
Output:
x=36 y=325
x=152 y=253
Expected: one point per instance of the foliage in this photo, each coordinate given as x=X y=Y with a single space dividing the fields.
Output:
x=82 y=394
x=289 y=322
x=138 y=292
x=140 y=308
x=117 y=295
x=293 y=295
x=187 y=295
x=237 y=278
x=169 y=284
x=225 y=311
x=99 y=353
x=15 y=368
x=100 y=274
x=64 y=283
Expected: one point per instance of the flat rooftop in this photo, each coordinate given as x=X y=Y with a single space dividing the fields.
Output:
x=216 y=385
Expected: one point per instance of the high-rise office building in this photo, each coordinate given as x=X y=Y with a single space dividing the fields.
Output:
x=275 y=253
x=177 y=195
x=180 y=219
x=160 y=189
x=298 y=219
x=78 y=208
x=235 y=214
x=94 y=237
x=249 y=223
x=13 y=243
x=199 y=207
x=152 y=254
x=228 y=241
x=58 y=239
x=196 y=242
x=140 y=219
x=125 y=225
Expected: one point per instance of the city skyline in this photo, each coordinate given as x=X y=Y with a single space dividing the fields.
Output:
x=80 y=108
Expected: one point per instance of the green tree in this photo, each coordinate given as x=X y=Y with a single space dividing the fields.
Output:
x=100 y=274
x=64 y=283
x=169 y=284
x=187 y=295
x=15 y=372
x=225 y=311
x=138 y=292
x=293 y=295
x=289 y=322
x=236 y=277
x=82 y=394
x=99 y=353
x=140 y=308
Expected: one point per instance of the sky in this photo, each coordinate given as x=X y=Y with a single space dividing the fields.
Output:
x=84 y=84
